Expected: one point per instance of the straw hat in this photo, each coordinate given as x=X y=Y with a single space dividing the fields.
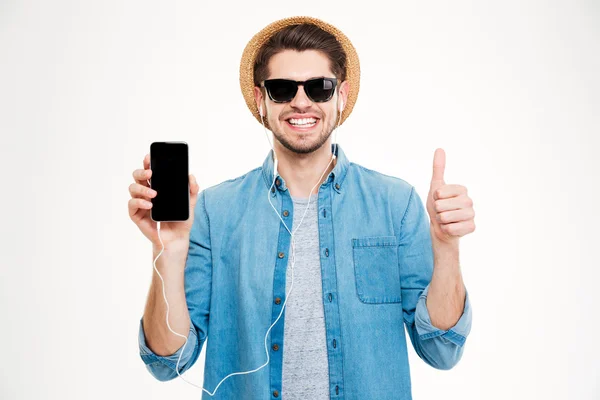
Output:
x=258 y=40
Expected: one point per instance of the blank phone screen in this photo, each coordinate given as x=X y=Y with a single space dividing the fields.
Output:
x=169 y=165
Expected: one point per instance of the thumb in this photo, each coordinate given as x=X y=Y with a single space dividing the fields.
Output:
x=194 y=190
x=439 y=165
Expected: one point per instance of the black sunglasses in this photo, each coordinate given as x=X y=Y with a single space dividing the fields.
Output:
x=284 y=90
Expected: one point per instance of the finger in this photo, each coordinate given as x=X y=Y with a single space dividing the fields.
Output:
x=458 y=228
x=146 y=163
x=134 y=205
x=463 y=214
x=448 y=191
x=453 y=203
x=140 y=191
x=439 y=164
x=194 y=187
x=141 y=176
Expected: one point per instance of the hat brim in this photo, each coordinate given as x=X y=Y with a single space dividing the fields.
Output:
x=258 y=40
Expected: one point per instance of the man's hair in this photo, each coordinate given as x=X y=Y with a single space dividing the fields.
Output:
x=301 y=37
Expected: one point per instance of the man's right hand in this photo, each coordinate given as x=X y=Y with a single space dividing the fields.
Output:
x=173 y=234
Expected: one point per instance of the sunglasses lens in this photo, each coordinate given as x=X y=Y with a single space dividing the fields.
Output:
x=281 y=90
x=320 y=90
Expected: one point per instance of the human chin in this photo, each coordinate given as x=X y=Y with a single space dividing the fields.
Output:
x=301 y=143
x=302 y=146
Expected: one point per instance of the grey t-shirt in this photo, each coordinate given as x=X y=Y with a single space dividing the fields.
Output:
x=305 y=364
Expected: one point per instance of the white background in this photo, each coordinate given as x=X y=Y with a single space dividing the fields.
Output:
x=510 y=90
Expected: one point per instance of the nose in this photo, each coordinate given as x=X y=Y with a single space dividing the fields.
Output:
x=301 y=100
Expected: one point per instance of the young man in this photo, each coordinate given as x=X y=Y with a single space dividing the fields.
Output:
x=364 y=260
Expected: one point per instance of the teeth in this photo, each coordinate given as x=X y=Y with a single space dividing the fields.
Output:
x=303 y=121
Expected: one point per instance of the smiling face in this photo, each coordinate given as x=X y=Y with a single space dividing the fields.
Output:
x=301 y=125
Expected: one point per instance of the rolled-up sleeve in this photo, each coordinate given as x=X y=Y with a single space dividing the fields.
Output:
x=442 y=349
x=163 y=367
x=198 y=289
x=447 y=344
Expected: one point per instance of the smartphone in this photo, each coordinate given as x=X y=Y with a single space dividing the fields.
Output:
x=169 y=164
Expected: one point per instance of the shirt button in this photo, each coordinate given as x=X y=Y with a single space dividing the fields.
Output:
x=326 y=252
x=277 y=300
x=272 y=190
x=277 y=182
x=328 y=296
x=337 y=186
x=334 y=344
x=286 y=213
x=275 y=347
x=275 y=393
x=337 y=389
x=281 y=254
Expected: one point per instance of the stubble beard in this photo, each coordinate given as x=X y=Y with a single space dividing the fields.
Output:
x=323 y=136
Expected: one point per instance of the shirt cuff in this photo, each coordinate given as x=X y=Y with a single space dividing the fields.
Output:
x=456 y=334
x=170 y=361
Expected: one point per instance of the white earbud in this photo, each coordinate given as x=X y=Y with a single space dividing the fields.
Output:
x=260 y=111
x=341 y=105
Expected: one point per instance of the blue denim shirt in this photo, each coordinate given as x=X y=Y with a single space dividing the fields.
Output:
x=376 y=265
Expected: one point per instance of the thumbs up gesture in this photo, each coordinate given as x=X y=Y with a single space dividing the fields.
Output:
x=450 y=209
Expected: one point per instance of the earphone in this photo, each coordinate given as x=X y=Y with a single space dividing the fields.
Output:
x=275 y=164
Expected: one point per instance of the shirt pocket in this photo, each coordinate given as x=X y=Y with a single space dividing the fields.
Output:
x=376 y=269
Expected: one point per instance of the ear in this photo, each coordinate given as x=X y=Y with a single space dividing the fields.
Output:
x=343 y=93
x=258 y=97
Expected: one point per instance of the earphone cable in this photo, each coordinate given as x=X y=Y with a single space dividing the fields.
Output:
x=333 y=157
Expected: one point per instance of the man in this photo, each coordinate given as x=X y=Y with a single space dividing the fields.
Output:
x=363 y=262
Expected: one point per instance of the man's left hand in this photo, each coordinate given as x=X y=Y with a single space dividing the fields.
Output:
x=450 y=209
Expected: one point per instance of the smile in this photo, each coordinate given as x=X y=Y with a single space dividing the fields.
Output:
x=302 y=123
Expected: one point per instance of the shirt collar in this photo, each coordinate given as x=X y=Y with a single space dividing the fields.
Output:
x=336 y=176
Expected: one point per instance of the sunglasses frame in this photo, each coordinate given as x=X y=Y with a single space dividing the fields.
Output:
x=333 y=81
